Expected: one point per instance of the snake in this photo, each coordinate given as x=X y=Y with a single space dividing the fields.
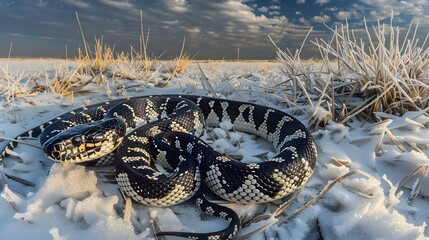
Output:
x=160 y=160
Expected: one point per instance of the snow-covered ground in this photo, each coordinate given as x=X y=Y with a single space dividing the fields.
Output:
x=73 y=202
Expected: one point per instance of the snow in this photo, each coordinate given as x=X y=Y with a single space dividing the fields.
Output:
x=73 y=202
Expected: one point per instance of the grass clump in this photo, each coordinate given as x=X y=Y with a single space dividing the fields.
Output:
x=382 y=72
x=179 y=63
x=391 y=75
x=67 y=83
x=98 y=61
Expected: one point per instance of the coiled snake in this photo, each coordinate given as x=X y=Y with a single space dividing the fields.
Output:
x=163 y=130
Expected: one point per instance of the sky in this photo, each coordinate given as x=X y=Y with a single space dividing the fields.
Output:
x=211 y=29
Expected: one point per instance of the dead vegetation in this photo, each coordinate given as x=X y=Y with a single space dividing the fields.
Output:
x=357 y=78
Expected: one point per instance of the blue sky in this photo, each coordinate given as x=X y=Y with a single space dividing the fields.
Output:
x=214 y=29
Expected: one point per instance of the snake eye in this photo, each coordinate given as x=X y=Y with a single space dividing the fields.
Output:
x=77 y=140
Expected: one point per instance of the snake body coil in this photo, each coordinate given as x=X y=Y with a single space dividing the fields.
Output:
x=160 y=130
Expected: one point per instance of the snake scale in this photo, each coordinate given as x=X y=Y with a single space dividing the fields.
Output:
x=136 y=134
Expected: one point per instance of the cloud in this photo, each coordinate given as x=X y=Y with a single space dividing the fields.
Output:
x=214 y=28
x=41 y=3
x=77 y=3
x=178 y=6
x=303 y=21
x=272 y=13
x=382 y=9
x=274 y=7
x=321 y=19
x=298 y=13
x=321 y=2
x=119 y=5
x=342 y=15
x=300 y=1
x=194 y=30
x=216 y=24
x=172 y=22
x=263 y=9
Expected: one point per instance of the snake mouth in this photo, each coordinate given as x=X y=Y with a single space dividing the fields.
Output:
x=85 y=143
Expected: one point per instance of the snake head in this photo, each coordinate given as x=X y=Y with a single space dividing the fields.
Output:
x=87 y=142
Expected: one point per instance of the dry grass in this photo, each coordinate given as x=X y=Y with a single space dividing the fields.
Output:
x=135 y=65
x=292 y=64
x=389 y=74
x=67 y=83
x=178 y=65
x=13 y=86
x=98 y=61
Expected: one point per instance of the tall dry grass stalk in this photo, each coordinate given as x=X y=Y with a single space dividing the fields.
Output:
x=306 y=86
x=292 y=64
x=14 y=86
x=176 y=66
x=179 y=64
x=93 y=62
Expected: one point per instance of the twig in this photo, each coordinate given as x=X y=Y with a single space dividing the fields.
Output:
x=20 y=180
x=19 y=141
x=127 y=210
x=205 y=82
x=323 y=192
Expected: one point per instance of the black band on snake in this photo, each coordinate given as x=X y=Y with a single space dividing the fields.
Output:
x=137 y=133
